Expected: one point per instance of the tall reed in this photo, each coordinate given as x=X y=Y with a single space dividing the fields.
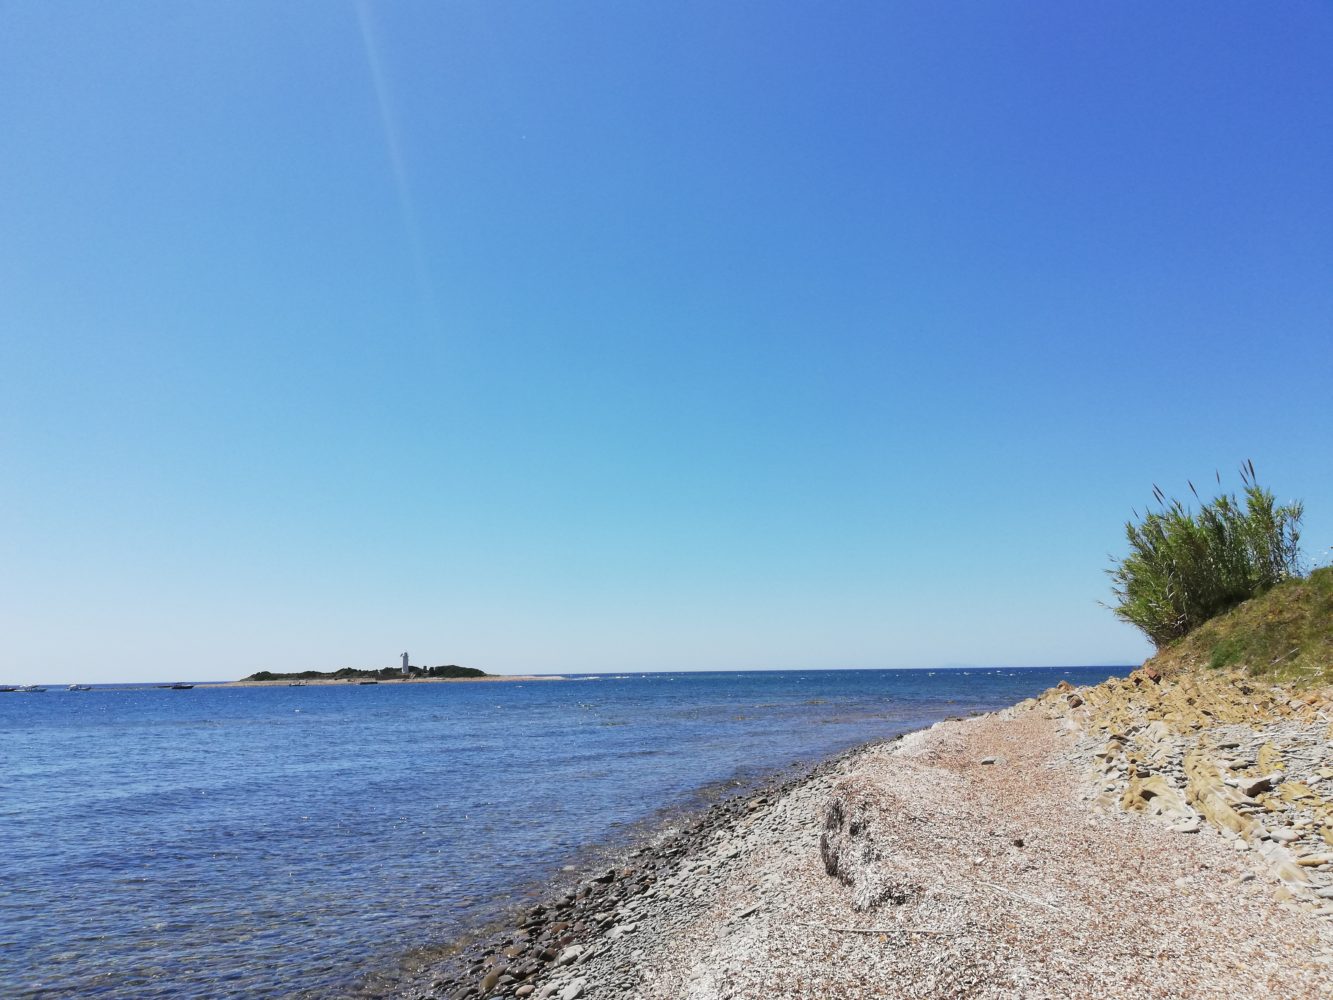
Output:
x=1184 y=568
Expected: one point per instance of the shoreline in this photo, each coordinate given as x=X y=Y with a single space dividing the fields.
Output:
x=619 y=869
x=666 y=838
x=659 y=833
x=965 y=856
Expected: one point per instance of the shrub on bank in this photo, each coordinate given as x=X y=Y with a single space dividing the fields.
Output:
x=1185 y=568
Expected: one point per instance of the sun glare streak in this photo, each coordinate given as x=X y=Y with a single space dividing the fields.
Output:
x=397 y=162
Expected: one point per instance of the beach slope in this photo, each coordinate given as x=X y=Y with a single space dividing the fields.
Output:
x=979 y=858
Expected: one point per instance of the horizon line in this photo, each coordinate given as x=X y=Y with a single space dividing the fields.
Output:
x=628 y=672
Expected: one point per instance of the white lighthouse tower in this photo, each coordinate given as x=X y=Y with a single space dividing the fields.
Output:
x=405 y=670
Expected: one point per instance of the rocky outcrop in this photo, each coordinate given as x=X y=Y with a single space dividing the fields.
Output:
x=1253 y=760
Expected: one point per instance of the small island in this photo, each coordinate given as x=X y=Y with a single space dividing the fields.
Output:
x=449 y=672
x=406 y=674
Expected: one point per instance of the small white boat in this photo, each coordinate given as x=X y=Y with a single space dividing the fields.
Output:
x=30 y=689
x=80 y=687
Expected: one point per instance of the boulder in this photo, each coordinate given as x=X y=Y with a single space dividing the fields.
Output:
x=1251 y=786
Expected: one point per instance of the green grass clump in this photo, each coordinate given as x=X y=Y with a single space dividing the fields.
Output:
x=1185 y=568
x=1285 y=635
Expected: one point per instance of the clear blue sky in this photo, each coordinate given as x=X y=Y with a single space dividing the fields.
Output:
x=617 y=336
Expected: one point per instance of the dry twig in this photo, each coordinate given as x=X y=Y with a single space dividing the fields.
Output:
x=878 y=930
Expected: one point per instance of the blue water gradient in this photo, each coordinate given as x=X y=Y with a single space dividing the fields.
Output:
x=286 y=841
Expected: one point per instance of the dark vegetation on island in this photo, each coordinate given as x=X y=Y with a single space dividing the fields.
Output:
x=387 y=674
x=1225 y=587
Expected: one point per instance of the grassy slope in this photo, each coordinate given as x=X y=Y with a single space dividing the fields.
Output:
x=1285 y=634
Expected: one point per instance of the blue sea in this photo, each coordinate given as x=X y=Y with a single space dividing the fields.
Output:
x=293 y=841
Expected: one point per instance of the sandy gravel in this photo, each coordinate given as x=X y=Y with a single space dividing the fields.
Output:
x=1008 y=885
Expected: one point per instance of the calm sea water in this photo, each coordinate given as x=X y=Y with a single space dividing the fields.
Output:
x=265 y=842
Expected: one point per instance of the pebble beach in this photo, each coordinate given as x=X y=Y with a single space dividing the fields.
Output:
x=1140 y=838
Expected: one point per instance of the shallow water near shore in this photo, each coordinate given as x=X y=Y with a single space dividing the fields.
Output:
x=291 y=841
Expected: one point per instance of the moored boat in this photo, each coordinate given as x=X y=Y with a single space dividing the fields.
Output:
x=80 y=687
x=30 y=689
